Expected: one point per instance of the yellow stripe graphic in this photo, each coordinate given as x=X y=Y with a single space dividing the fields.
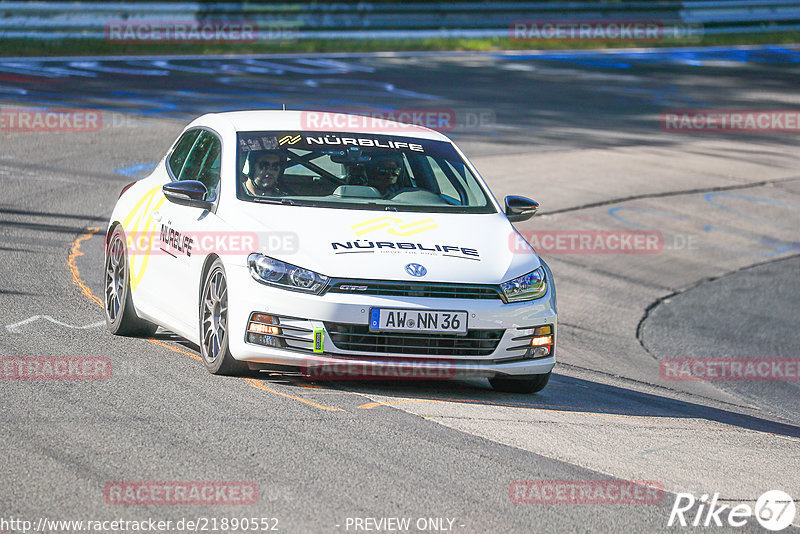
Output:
x=140 y=233
x=288 y=139
x=394 y=225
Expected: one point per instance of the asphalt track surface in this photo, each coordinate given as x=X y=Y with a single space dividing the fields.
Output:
x=581 y=134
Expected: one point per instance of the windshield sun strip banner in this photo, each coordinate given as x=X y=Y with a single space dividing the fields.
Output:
x=266 y=140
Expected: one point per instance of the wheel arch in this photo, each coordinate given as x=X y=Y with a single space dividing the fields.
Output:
x=129 y=324
x=110 y=230
x=203 y=272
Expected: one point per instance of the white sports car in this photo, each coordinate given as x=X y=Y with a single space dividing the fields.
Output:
x=345 y=246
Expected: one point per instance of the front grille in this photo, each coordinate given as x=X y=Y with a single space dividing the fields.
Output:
x=406 y=289
x=359 y=338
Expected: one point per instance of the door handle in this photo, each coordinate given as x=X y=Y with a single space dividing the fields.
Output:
x=156 y=215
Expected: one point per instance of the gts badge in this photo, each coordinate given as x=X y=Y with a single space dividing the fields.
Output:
x=172 y=239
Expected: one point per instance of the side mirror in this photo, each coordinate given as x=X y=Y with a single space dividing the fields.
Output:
x=187 y=193
x=520 y=209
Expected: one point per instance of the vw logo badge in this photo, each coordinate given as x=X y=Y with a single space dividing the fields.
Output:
x=415 y=269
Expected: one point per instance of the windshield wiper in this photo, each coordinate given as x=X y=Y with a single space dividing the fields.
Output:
x=284 y=201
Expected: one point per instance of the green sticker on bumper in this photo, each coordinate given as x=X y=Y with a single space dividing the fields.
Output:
x=318 y=335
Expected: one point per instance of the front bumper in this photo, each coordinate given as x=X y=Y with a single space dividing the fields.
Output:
x=496 y=330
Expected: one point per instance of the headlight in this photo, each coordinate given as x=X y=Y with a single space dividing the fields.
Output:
x=285 y=275
x=526 y=287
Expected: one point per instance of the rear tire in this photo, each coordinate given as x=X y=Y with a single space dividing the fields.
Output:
x=121 y=317
x=214 y=325
x=521 y=384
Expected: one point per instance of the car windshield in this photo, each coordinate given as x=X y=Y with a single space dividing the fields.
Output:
x=356 y=171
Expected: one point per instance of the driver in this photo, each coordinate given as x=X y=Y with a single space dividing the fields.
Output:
x=383 y=173
x=266 y=169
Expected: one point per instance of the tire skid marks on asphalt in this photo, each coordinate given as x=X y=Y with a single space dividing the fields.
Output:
x=75 y=251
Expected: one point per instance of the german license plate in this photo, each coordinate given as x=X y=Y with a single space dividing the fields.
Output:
x=398 y=320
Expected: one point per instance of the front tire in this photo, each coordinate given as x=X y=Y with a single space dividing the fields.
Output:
x=521 y=384
x=120 y=314
x=214 y=325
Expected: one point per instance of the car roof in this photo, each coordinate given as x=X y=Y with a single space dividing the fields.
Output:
x=308 y=121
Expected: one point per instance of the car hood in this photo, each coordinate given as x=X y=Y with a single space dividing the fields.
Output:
x=375 y=245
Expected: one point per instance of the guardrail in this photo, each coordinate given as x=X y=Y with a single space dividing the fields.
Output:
x=91 y=20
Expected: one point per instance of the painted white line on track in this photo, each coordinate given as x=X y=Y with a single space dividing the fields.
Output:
x=15 y=328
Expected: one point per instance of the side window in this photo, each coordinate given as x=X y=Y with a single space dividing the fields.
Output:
x=445 y=185
x=182 y=148
x=456 y=183
x=210 y=169
x=459 y=174
x=203 y=163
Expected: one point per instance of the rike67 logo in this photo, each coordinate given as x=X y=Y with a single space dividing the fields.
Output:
x=774 y=510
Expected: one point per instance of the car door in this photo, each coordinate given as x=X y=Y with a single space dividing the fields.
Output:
x=143 y=225
x=182 y=230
